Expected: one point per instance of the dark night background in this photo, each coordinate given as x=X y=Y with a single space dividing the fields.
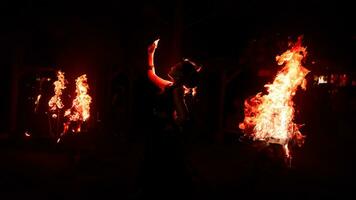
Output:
x=236 y=43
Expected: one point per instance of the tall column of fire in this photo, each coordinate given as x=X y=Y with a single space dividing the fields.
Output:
x=80 y=110
x=55 y=103
x=269 y=117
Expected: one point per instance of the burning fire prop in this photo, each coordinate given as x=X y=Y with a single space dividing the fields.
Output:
x=80 y=110
x=55 y=103
x=269 y=117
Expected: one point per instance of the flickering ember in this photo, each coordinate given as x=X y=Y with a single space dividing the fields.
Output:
x=269 y=117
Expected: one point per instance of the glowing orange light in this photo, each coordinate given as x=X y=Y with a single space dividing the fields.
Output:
x=269 y=117
x=80 y=110
x=55 y=102
x=192 y=91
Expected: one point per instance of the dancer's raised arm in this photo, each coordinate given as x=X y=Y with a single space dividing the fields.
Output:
x=158 y=81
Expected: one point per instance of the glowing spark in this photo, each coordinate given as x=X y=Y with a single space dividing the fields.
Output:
x=27 y=134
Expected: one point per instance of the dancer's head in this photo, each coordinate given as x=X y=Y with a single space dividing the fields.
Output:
x=185 y=73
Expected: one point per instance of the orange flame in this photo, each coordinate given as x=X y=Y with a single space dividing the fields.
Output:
x=80 y=110
x=270 y=117
x=192 y=91
x=55 y=102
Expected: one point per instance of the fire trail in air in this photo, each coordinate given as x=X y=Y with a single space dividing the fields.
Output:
x=269 y=117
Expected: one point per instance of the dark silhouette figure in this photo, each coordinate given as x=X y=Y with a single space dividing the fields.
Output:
x=165 y=174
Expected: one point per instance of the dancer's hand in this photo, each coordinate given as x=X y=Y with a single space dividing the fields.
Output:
x=153 y=47
x=151 y=51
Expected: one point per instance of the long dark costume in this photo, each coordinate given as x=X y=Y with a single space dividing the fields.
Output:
x=164 y=173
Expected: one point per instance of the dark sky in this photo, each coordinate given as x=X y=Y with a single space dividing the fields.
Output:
x=204 y=28
x=102 y=38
